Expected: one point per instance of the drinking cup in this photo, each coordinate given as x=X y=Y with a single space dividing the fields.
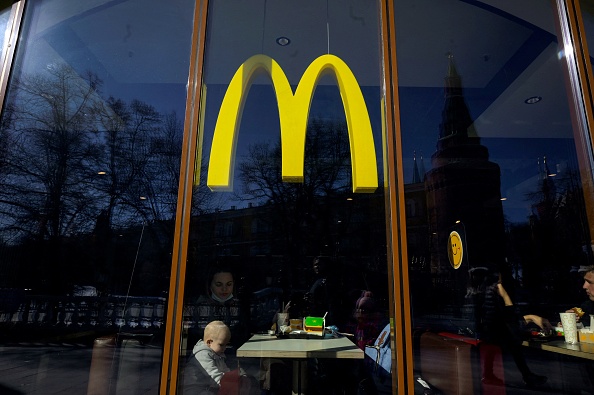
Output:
x=282 y=319
x=296 y=324
x=568 y=320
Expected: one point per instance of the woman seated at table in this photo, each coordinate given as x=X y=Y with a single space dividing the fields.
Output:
x=220 y=303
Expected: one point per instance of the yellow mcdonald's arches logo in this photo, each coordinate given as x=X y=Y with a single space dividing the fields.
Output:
x=293 y=112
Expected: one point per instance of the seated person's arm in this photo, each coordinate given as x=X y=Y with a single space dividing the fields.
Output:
x=504 y=295
x=543 y=323
x=577 y=311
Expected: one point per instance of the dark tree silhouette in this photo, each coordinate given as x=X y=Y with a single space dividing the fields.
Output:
x=555 y=238
x=80 y=168
x=309 y=210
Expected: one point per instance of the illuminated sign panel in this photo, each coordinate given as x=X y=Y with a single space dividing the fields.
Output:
x=293 y=112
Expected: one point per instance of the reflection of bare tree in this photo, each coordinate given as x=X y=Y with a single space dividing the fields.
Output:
x=203 y=199
x=50 y=124
x=305 y=208
x=79 y=165
x=122 y=159
x=327 y=167
x=166 y=151
x=554 y=239
x=136 y=164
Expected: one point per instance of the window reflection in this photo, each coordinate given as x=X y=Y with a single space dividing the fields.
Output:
x=269 y=232
x=504 y=190
x=90 y=142
x=5 y=10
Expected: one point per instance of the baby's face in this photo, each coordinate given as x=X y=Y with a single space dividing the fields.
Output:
x=218 y=343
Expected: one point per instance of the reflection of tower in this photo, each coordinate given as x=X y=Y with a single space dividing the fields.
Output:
x=416 y=175
x=417 y=235
x=463 y=185
x=416 y=218
x=418 y=169
x=545 y=206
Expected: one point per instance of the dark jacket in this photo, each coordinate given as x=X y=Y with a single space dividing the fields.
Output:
x=204 y=371
x=588 y=308
x=231 y=312
x=499 y=322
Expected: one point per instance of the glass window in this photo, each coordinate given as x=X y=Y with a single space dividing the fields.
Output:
x=5 y=9
x=258 y=227
x=90 y=134
x=506 y=238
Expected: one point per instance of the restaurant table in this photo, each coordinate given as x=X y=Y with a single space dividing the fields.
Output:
x=580 y=349
x=299 y=350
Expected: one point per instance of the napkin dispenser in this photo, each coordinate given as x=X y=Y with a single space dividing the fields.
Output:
x=314 y=325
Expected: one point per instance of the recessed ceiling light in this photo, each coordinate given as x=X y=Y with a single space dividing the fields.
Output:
x=533 y=100
x=283 y=41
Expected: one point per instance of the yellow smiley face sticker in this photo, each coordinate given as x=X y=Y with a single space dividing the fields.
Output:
x=455 y=249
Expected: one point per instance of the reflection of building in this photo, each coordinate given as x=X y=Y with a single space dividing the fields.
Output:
x=463 y=185
x=342 y=227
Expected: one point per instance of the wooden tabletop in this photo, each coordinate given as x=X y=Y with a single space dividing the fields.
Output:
x=273 y=347
x=580 y=350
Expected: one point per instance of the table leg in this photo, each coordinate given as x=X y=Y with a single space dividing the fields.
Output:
x=299 y=377
x=303 y=376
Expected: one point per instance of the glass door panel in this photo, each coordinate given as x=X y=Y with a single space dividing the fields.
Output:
x=289 y=217
x=90 y=143
x=496 y=172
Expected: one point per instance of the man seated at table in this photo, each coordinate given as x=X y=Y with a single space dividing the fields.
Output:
x=587 y=307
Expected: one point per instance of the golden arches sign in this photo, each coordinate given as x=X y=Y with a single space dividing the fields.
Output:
x=293 y=112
